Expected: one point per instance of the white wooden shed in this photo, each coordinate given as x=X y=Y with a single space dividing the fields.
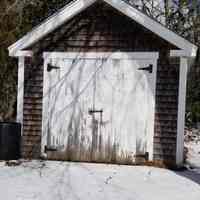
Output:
x=100 y=81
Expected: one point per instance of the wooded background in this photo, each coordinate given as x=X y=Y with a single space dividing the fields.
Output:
x=17 y=17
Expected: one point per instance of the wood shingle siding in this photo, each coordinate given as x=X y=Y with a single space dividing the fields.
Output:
x=166 y=110
x=32 y=120
x=102 y=29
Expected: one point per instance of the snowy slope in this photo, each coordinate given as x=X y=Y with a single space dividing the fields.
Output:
x=39 y=180
x=73 y=181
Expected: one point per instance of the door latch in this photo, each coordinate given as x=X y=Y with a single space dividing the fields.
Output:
x=50 y=67
x=149 y=68
x=90 y=112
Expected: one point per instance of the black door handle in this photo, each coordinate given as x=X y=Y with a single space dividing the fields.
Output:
x=50 y=67
x=149 y=68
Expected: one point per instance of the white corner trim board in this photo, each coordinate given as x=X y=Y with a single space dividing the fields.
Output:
x=105 y=55
x=181 y=109
x=20 y=90
x=77 y=6
x=150 y=142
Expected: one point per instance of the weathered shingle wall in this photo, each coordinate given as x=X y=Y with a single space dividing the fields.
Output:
x=100 y=28
x=32 y=121
x=166 y=110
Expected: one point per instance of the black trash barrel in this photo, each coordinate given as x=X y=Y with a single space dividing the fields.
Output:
x=10 y=137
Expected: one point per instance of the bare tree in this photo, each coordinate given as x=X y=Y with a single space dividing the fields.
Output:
x=16 y=18
x=19 y=16
x=12 y=26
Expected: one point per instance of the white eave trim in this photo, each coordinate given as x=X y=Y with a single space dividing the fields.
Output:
x=77 y=6
x=24 y=54
x=179 y=53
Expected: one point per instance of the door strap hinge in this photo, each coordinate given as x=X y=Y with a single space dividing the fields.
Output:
x=149 y=68
x=50 y=67
x=144 y=156
x=51 y=148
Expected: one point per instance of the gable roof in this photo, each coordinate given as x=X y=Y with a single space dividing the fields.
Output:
x=75 y=7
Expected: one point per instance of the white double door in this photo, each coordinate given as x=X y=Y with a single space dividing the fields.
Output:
x=99 y=110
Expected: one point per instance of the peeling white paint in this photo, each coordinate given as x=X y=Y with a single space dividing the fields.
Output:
x=124 y=94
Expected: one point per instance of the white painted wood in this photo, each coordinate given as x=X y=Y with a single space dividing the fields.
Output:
x=20 y=90
x=179 y=53
x=105 y=55
x=77 y=6
x=45 y=104
x=181 y=110
x=23 y=54
x=125 y=94
x=150 y=139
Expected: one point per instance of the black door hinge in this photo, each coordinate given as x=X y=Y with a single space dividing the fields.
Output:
x=50 y=67
x=149 y=68
x=51 y=148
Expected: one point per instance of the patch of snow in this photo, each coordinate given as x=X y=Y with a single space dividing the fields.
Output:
x=192 y=147
x=193 y=154
x=37 y=180
x=2 y=163
x=192 y=144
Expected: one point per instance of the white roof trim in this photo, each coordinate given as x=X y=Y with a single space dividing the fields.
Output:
x=77 y=6
x=24 y=53
x=179 y=53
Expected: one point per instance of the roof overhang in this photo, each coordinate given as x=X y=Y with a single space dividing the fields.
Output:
x=75 y=7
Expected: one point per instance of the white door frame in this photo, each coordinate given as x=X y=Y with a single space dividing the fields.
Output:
x=152 y=57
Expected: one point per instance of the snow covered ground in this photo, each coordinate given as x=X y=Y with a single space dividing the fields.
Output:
x=49 y=180
x=192 y=144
